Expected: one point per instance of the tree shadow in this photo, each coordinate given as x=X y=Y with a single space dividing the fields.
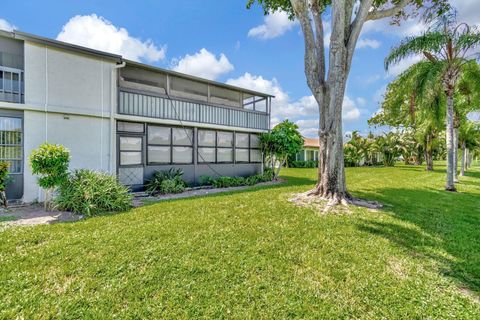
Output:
x=438 y=225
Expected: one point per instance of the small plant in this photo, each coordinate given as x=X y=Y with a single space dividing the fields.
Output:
x=171 y=186
x=206 y=181
x=175 y=182
x=50 y=162
x=4 y=179
x=91 y=193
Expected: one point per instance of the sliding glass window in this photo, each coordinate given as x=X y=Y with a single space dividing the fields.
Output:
x=168 y=145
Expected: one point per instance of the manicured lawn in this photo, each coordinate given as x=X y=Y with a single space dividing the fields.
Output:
x=252 y=254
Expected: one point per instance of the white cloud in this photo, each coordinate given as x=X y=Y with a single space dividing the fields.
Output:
x=350 y=110
x=370 y=43
x=361 y=101
x=98 y=33
x=204 y=64
x=7 y=26
x=274 y=25
x=303 y=111
x=467 y=11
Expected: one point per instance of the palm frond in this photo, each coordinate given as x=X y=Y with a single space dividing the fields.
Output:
x=431 y=42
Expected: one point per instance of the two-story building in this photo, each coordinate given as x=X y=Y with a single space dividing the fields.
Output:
x=120 y=116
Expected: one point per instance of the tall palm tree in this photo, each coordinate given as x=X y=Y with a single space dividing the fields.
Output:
x=414 y=100
x=469 y=139
x=448 y=47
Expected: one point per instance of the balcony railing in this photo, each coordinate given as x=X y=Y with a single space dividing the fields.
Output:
x=11 y=85
x=143 y=105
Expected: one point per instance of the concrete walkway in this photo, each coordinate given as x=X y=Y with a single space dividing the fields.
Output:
x=29 y=215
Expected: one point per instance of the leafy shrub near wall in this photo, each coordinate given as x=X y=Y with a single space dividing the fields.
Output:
x=50 y=162
x=167 y=181
x=91 y=193
x=304 y=164
x=228 y=182
x=4 y=179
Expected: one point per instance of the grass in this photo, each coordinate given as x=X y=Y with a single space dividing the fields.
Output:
x=4 y=218
x=252 y=254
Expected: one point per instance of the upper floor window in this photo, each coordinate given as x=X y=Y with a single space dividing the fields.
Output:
x=11 y=85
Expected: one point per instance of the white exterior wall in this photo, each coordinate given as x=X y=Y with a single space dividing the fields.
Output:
x=68 y=98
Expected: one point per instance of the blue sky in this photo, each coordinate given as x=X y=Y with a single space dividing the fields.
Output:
x=224 y=41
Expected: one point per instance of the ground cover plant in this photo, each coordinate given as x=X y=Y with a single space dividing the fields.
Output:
x=91 y=193
x=252 y=254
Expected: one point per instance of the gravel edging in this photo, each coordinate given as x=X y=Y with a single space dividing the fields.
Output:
x=139 y=197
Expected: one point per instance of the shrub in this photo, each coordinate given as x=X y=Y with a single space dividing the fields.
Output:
x=171 y=186
x=91 y=193
x=50 y=162
x=206 y=181
x=227 y=182
x=175 y=183
x=4 y=179
x=304 y=164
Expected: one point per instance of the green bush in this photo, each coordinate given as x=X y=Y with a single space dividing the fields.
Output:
x=174 y=184
x=4 y=176
x=206 y=181
x=304 y=164
x=91 y=193
x=4 y=179
x=228 y=182
x=50 y=162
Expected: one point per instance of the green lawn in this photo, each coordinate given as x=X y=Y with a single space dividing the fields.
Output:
x=252 y=254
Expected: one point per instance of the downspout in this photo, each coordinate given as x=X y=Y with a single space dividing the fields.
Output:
x=113 y=104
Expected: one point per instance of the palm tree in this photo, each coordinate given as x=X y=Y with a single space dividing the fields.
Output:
x=390 y=146
x=447 y=46
x=414 y=101
x=469 y=139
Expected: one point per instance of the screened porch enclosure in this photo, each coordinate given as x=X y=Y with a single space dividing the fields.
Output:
x=162 y=95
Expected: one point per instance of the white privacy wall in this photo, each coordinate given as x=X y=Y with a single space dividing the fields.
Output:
x=69 y=96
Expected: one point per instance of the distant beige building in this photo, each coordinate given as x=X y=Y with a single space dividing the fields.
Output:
x=309 y=151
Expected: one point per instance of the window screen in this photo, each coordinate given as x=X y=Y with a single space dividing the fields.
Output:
x=169 y=145
x=129 y=127
x=130 y=151
x=159 y=135
x=206 y=155
x=255 y=155
x=224 y=139
x=159 y=154
x=224 y=155
x=241 y=155
x=182 y=137
x=241 y=140
x=224 y=96
x=11 y=149
x=186 y=88
x=206 y=138
x=182 y=155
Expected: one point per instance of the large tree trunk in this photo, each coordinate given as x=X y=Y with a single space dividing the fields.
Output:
x=449 y=137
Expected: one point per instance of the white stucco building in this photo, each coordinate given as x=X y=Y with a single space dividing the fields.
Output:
x=120 y=116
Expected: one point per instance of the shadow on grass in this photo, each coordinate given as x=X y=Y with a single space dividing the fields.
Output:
x=445 y=229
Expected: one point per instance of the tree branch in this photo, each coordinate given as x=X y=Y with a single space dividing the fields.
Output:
x=356 y=27
x=319 y=39
x=300 y=7
x=380 y=14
